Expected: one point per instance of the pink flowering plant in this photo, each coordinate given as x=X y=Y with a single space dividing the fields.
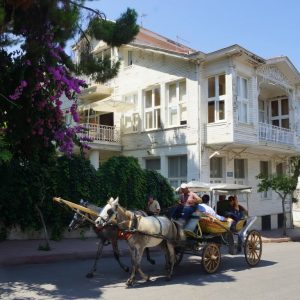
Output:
x=35 y=78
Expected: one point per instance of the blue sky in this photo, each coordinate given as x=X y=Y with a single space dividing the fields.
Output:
x=268 y=28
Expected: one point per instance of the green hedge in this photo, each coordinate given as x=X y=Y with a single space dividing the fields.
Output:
x=27 y=184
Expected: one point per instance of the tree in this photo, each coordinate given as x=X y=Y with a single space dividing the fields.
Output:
x=283 y=185
x=35 y=77
x=38 y=73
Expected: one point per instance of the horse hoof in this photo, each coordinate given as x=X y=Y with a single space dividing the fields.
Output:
x=148 y=278
x=90 y=275
x=129 y=283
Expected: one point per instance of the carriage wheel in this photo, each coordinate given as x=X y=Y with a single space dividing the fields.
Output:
x=178 y=256
x=211 y=258
x=253 y=248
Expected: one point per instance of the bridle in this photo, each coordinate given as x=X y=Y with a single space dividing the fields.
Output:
x=111 y=214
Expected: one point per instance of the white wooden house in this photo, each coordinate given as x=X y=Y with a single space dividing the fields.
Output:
x=224 y=116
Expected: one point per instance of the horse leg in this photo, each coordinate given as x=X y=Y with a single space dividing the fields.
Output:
x=91 y=273
x=133 y=252
x=114 y=244
x=138 y=262
x=151 y=261
x=171 y=259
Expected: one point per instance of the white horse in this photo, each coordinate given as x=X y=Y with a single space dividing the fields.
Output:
x=147 y=231
x=108 y=235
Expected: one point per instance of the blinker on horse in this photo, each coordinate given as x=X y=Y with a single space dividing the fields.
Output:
x=147 y=231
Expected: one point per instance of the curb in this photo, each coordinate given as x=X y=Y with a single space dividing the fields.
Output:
x=51 y=258
x=56 y=257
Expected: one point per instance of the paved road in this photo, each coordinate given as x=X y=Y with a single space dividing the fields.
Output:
x=276 y=277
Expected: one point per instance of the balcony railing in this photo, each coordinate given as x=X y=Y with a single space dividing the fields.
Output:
x=275 y=134
x=101 y=133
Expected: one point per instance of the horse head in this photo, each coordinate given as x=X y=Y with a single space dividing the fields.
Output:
x=108 y=214
x=81 y=218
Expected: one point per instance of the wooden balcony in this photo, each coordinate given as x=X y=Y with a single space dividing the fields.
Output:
x=275 y=134
x=101 y=133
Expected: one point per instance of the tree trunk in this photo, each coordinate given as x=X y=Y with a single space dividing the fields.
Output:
x=284 y=216
x=47 y=244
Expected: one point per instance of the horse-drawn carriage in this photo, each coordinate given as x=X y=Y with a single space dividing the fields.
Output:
x=208 y=234
x=204 y=239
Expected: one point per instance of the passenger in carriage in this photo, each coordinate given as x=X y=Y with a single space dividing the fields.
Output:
x=207 y=210
x=222 y=205
x=235 y=210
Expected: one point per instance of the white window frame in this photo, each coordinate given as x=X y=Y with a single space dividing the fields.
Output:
x=181 y=176
x=157 y=160
x=263 y=111
x=217 y=99
x=178 y=106
x=240 y=180
x=153 y=111
x=242 y=92
x=131 y=119
x=280 y=116
x=217 y=179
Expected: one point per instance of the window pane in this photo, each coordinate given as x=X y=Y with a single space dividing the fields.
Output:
x=149 y=120
x=239 y=168
x=177 y=166
x=211 y=112
x=279 y=169
x=172 y=93
x=127 y=122
x=222 y=85
x=284 y=107
x=136 y=121
x=173 y=116
x=285 y=123
x=153 y=164
x=238 y=86
x=148 y=99
x=183 y=116
x=157 y=118
x=264 y=168
x=211 y=87
x=275 y=122
x=216 y=170
x=245 y=88
x=182 y=91
x=183 y=165
x=274 y=108
x=221 y=110
x=157 y=97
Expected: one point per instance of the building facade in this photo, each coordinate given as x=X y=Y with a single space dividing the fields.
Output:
x=224 y=116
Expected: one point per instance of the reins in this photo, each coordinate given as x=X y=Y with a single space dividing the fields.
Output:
x=133 y=222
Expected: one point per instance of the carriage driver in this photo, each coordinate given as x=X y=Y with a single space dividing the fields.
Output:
x=189 y=200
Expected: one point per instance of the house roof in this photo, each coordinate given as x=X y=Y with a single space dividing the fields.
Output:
x=149 y=38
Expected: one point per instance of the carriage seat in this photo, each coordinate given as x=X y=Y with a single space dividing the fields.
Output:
x=214 y=226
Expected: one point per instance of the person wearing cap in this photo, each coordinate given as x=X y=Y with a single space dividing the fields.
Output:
x=153 y=207
x=189 y=200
